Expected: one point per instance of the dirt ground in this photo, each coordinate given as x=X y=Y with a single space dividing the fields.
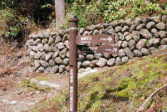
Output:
x=14 y=68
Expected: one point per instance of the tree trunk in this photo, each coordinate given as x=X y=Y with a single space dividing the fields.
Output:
x=60 y=13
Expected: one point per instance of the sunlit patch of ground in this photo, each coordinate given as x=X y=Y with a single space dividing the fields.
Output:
x=121 y=88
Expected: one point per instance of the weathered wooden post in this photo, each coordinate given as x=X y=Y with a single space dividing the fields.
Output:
x=73 y=78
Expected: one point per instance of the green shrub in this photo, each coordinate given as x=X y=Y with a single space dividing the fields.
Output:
x=92 y=11
x=15 y=25
x=8 y=4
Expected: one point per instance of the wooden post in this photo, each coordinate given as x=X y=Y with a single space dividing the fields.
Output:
x=73 y=80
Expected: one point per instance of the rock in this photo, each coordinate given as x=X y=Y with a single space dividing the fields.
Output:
x=153 y=42
x=55 y=54
x=121 y=36
x=60 y=45
x=128 y=37
x=40 y=47
x=145 y=51
x=135 y=35
x=110 y=31
x=137 y=20
x=118 y=28
x=61 y=68
x=45 y=34
x=128 y=21
x=41 y=34
x=90 y=28
x=121 y=52
x=131 y=44
x=79 y=64
x=160 y=26
x=33 y=35
x=46 y=47
x=44 y=63
x=42 y=55
x=48 y=70
x=101 y=62
x=81 y=31
x=66 y=61
x=55 y=69
x=162 y=34
x=145 y=33
x=118 y=61
x=37 y=55
x=66 y=44
x=152 y=49
x=124 y=44
x=137 y=53
x=67 y=54
x=144 y=20
x=36 y=64
x=139 y=27
x=93 y=63
x=40 y=69
x=81 y=70
x=133 y=27
x=164 y=41
x=51 y=40
x=107 y=55
x=154 y=30
x=124 y=59
x=86 y=33
x=62 y=53
x=128 y=52
x=111 y=62
x=125 y=28
x=58 y=39
x=141 y=43
x=98 y=55
x=126 y=33
x=86 y=63
x=58 y=60
x=95 y=32
x=51 y=62
x=150 y=24
x=30 y=42
x=81 y=57
x=48 y=56
x=44 y=41
x=156 y=18
x=119 y=43
x=163 y=47
x=32 y=54
x=37 y=41
x=164 y=18
x=89 y=56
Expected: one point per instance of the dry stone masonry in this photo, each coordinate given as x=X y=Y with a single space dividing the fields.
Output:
x=138 y=37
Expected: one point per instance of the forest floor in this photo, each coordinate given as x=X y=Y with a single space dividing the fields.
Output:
x=16 y=94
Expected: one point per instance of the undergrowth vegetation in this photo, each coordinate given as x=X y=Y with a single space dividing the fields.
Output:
x=14 y=27
x=21 y=17
x=96 y=11
x=122 y=88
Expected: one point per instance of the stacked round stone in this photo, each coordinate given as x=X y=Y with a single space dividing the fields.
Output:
x=138 y=37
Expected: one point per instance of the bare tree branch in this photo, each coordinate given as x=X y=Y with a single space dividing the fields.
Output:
x=146 y=102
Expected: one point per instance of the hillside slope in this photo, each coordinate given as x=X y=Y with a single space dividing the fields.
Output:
x=118 y=89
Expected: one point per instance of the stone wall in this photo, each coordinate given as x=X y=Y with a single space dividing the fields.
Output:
x=138 y=37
